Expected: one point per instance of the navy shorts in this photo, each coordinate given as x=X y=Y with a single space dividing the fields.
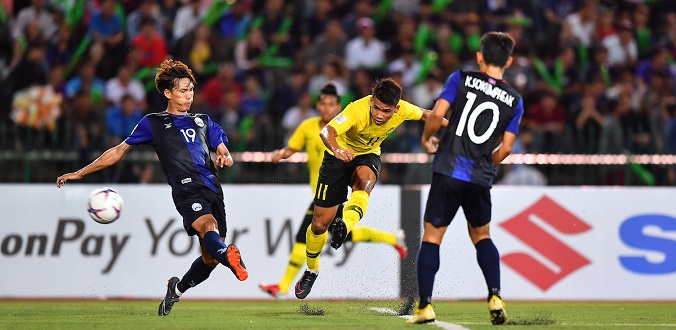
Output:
x=448 y=194
x=196 y=205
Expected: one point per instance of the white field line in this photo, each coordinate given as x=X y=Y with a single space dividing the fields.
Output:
x=440 y=324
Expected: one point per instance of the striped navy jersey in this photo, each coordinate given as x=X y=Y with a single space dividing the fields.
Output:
x=183 y=144
x=482 y=109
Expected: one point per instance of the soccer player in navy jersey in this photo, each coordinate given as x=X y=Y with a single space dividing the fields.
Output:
x=484 y=122
x=183 y=142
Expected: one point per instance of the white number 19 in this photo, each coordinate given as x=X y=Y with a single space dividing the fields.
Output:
x=189 y=134
x=488 y=105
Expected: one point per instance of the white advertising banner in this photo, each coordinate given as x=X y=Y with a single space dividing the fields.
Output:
x=574 y=243
x=50 y=248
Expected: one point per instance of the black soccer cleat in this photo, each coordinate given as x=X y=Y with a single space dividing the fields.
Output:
x=338 y=231
x=170 y=298
x=304 y=285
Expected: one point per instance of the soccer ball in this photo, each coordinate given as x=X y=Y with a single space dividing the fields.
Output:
x=105 y=205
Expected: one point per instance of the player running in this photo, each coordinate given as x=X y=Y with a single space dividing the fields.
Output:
x=486 y=113
x=307 y=135
x=183 y=143
x=352 y=160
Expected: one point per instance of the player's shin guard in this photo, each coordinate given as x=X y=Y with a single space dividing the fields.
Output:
x=315 y=244
x=489 y=260
x=296 y=261
x=427 y=267
x=368 y=234
x=216 y=248
x=198 y=272
x=355 y=208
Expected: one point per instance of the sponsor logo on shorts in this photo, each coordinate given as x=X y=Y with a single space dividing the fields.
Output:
x=538 y=227
x=196 y=207
x=186 y=180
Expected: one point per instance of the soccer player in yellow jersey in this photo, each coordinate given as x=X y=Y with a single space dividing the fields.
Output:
x=352 y=160
x=307 y=136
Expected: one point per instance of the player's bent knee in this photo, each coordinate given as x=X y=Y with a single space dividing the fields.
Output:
x=209 y=260
x=318 y=228
x=204 y=224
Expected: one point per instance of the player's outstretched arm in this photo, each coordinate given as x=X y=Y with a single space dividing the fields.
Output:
x=109 y=158
x=427 y=113
x=283 y=154
x=504 y=149
x=433 y=122
x=328 y=135
x=223 y=157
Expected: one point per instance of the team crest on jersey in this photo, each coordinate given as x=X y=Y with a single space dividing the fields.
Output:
x=196 y=207
x=199 y=122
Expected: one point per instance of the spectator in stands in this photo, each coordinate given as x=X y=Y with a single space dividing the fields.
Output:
x=169 y=10
x=201 y=50
x=152 y=45
x=122 y=118
x=579 y=27
x=248 y=51
x=424 y=93
x=86 y=80
x=365 y=51
x=409 y=67
x=330 y=44
x=106 y=29
x=235 y=22
x=622 y=49
x=37 y=13
x=148 y=10
x=331 y=73
x=125 y=85
x=546 y=118
x=187 y=18
x=215 y=88
x=62 y=47
x=31 y=70
x=295 y=115
x=253 y=100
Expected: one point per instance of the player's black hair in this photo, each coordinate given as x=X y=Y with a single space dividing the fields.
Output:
x=170 y=72
x=330 y=89
x=387 y=91
x=496 y=47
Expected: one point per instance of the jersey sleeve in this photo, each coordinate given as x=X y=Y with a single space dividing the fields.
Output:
x=297 y=139
x=411 y=111
x=141 y=134
x=216 y=135
x=450 y=89
x=348 y=118
x=513 y=126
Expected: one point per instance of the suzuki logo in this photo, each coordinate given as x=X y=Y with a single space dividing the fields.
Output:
x=528 y=226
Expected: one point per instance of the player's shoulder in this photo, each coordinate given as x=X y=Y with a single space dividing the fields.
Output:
x=361 y=103
x=480 y=80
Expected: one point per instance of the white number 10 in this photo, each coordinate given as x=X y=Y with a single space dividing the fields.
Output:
x=189 y=133
x=488 y=105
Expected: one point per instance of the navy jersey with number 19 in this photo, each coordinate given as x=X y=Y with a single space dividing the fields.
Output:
x=183 y=144
x=483 y=108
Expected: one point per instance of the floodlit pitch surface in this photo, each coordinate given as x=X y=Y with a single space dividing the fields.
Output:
x=317 y=314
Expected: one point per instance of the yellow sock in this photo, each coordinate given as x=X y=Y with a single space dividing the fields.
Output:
x=315 y=244
x=368 y=234
x=355 y=208
x=296 y=261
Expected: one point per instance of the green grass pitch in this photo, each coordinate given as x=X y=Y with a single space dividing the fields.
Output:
x=318 y=314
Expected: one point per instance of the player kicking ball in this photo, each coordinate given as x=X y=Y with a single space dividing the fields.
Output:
x=485 y=112
x=352 y=160
x=183 y=142
x=307 y=136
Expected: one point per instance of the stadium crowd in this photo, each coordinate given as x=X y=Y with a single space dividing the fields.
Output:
x=597 y=76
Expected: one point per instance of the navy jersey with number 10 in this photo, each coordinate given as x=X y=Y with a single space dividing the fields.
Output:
x=183 y=144
x=483 y=108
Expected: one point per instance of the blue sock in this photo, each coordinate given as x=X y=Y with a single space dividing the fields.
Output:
x=427 y=266
x=198 y=272
x=216 y=248
x=489 y=261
